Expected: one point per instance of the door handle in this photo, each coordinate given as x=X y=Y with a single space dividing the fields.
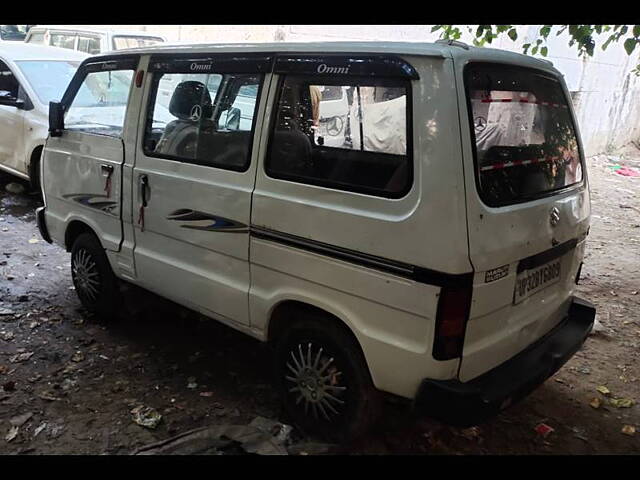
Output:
x=106 y=170
x=144 y=187
x=143 y=182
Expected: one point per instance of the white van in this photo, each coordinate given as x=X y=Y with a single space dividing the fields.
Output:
x=433 y=256
x=91 y=39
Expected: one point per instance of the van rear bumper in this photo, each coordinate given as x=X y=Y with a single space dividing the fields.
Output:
x=471 y=403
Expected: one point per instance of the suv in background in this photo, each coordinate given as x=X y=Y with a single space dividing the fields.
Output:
x=90 y=40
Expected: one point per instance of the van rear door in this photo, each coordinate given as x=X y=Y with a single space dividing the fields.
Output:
x=528 y=209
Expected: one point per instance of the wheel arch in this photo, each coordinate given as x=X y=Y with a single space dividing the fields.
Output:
x=34 y=166
x=286 y=312
x=74 y=230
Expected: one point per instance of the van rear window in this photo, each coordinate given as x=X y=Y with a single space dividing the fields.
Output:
x=524 y=136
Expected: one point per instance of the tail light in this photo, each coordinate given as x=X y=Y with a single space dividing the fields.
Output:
x=451 y=322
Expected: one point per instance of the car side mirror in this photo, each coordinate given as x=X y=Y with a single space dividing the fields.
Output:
x=10 y=101
x=233 y=119
x=56 y=119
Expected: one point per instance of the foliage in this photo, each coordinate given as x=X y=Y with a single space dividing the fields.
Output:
x=581 y=36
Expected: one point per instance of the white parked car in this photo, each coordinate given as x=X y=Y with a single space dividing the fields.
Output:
x=433 y=256
x=91 y=40
x=13 y=33
x=31 y=76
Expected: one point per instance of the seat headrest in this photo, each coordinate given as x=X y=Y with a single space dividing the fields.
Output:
x=191 y=101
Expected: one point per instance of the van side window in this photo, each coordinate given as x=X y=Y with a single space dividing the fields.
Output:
x=203 y=118
x=90 y=45
x=63 y=40
x=100 y=104
x=350 y=134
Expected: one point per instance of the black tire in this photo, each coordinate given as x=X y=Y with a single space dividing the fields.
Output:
x=361 y=401
x=94 y=281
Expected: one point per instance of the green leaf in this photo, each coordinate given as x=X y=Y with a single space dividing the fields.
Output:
x=630 y=45
x=513 y=35
x=544 y=31
x=543 y=51
x=436 y=27
x=534 y=50
x=636 y=30
x=525 y=48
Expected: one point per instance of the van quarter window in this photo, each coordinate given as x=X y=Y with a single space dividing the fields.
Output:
x=202 y=118
x=100 y=104
x=525 y=140
x=349 y=134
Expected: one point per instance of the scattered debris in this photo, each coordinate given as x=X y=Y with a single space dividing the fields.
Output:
x=7 y=336
x=192 y=383
x=279 y=431
x=39 y=429
x=595 y=402
x=5 y=311
x=146 y=416
x=544 y=430
x=603 y=390
x=33 y=240
x=21 y=357
x=13 y=433
x=48 y=396
x=214 y=440
x=621 y=402
x=206 y=394
x=77 y=357
x=629 y=430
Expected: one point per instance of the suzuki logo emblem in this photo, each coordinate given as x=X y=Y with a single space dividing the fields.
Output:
x=554 y=216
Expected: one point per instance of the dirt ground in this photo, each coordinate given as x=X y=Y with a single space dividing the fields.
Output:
x=68 y=383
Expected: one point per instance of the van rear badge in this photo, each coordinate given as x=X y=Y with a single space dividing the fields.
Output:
x=496 y=274
x=554 y=216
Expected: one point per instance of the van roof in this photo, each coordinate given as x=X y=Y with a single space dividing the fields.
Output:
x=441 y=49
x=14 y=51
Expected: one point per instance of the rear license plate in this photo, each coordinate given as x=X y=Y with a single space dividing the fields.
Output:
x=532 y=281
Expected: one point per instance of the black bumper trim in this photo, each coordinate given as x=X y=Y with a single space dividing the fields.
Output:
x=471 y=403
x=42 y=225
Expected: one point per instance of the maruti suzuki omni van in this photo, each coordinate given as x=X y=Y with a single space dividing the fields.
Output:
x=429 y=249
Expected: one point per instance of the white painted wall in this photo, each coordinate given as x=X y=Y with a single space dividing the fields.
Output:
x=607 y=99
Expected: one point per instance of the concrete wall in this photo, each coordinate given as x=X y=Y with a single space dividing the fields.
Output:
x=605 y=92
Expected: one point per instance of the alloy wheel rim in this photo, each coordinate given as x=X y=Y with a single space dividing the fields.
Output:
x=85 y=275
x=315 y=382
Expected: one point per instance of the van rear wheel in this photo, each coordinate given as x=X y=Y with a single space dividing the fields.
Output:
x=93 y=279
x=324 y=381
